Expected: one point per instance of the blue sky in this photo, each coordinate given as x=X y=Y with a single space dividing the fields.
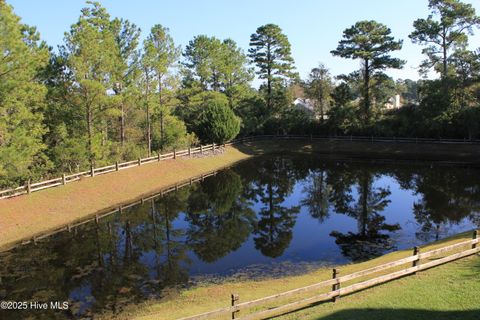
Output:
x=313 y=27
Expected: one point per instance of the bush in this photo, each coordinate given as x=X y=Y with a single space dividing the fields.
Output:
x=217 y=123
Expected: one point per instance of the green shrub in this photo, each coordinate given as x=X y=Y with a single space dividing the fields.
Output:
x=217 y=123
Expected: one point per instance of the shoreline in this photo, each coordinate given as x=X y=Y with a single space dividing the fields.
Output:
x=203 y=297
x=24 y=217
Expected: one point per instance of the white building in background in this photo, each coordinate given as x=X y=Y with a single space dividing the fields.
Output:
x=394 y=103
x=306 y=105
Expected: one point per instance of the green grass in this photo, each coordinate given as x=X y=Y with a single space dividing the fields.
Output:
x=452 y=287
x=25 y=216
x=447 y=292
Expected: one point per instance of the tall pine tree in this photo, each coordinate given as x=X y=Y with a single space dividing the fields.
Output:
x=22 y=97
x=271 y=53
x=371 y=43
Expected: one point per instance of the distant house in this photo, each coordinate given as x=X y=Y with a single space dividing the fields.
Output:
x=394 y=103
x=305 y=105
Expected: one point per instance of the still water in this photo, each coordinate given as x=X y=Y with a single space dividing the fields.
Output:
x=271 y=215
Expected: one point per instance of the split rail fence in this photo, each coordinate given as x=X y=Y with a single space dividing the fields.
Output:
x=415 y=265
x=64 y=179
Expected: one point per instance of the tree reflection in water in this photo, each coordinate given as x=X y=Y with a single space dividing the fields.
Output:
x=257 y=210
x=220 y=218
x=369 y=241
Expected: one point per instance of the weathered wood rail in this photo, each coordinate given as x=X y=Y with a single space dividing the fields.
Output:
x=72 y=227
x=468 y=248
x=64 y=179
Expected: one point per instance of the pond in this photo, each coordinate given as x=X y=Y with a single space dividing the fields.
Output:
x=272 y=215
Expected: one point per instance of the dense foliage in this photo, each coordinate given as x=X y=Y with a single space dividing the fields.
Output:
x=105 y=95
x=218 y=123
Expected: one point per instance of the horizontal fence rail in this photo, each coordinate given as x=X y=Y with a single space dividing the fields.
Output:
x=33 y=187
x=64 y=179
x=337 y=281
x=97 y=217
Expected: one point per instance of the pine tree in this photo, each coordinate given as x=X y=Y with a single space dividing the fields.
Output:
x=92 y=56
x=270 y=52
x=22 y=97
x=159 y=57
x=319 y=87
x=127 y=70
x=370 y=42
x=450 y=31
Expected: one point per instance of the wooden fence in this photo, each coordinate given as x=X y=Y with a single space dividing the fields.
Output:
x=64 y=179
x=72 y=227
x=414 y=262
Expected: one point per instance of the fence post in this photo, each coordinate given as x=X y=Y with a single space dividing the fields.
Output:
x=92 y=170
x=139 y=161
x=189 y=151
x=416 y=250
x=117 y=168
x=336 y=286
x=174 y=154
x=213 y=147
x=475 y=235
x=235 y=299
x=64 y=179
x=201 y=149
x=29 y=187
x=159 y=155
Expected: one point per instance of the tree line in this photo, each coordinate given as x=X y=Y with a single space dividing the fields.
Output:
x=105 y=95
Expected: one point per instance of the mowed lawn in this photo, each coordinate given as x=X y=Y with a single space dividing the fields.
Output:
x=450 y=291
x=24 y=216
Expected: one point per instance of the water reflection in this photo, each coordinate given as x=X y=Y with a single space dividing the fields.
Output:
x=368 y=241
x=219 y=217
x=261 y=212
x=273 y=181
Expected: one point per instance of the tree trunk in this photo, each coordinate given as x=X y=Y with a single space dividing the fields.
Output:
x=366 y=88
x=269 y=80
x=90 y=134
x=321 y=100
x=162 y=133
x=147 y=104
x=444 y=47
x=149 y=131
x=122 y=126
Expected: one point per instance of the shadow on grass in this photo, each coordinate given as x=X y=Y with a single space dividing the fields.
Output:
x=401 y=314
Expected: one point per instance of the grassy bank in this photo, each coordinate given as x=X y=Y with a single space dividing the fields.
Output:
x=377 y=150
x=25 y=216
x=445 y=292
